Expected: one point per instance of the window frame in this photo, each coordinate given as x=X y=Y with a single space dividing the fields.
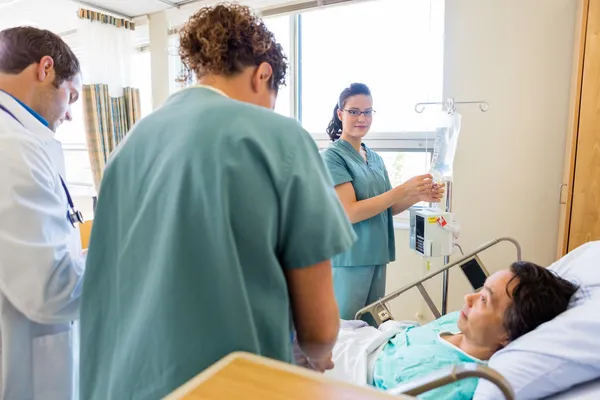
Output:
x=142 y=50
x=84 y=188
x=402 y=220
x=395 y=141
x=78 y=188
x=388 y=141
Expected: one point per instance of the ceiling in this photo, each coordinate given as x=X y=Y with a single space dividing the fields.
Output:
x=6 y=3
x=135 y=8
x=132 y=8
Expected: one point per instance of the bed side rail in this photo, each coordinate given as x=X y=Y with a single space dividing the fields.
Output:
x=455 y=373
x=381 y=313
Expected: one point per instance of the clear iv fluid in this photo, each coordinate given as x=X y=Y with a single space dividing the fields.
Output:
x=444 y=149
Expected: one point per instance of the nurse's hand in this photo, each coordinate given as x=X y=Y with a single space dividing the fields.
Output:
x=435 y=194
x=416 y=187
x=322 y=365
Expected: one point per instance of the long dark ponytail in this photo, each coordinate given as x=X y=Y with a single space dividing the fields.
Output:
x=334 y=129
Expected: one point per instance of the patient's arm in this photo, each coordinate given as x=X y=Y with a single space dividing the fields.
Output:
x=316 y=315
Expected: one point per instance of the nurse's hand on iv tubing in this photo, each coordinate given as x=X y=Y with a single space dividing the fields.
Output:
x=435 y=194
x=415 y=188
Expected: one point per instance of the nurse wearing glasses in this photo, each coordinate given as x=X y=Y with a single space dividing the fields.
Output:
x=363 y=186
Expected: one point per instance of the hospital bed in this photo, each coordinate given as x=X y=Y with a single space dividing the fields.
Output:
x=476 y=273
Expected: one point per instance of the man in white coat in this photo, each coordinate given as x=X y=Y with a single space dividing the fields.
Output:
x=41 y=265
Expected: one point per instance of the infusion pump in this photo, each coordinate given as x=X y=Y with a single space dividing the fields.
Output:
x=432 y=231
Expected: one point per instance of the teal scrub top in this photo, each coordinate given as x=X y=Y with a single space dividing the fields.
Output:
x=419 y=351
x=202 y=209
x=375 y=244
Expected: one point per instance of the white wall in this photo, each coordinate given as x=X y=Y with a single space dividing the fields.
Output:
x=58 y=18
x=517 y=55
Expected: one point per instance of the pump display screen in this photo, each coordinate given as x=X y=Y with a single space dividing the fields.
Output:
x=474 y=273
x=419 y=233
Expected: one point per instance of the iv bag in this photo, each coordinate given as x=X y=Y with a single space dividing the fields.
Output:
x=446 y=138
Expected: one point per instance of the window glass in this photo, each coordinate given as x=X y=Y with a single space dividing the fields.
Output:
x=393 y=46
x=280 y=26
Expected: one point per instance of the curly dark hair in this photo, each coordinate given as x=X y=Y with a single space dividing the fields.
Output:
x=538 y=297
x=25 y=45
x=226 y=38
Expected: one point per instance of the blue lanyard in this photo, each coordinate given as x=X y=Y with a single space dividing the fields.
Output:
x=73 y=214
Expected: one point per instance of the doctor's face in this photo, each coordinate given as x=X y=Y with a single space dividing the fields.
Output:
x=56 y=100
x=357 y=115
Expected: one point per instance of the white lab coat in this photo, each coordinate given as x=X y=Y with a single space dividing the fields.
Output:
x=41 y=265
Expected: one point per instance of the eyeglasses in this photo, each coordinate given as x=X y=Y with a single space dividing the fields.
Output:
x=356 y=113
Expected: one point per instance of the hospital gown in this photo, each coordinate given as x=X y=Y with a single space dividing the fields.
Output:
x=417 y=352
x=202 y=209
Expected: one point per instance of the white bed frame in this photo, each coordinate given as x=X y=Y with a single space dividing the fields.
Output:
x=586 y=391
x=379 y=309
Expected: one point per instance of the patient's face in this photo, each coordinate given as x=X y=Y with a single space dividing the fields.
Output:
x=481 y=320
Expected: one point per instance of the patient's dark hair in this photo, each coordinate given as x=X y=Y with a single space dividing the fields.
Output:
x=538 y=297
x=334 y=129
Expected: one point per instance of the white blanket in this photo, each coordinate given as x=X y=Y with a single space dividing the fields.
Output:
x=358 y=347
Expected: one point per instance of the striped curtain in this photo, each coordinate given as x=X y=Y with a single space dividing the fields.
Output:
x=107 y=121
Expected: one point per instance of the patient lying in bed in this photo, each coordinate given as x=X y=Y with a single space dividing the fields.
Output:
x=512 y=303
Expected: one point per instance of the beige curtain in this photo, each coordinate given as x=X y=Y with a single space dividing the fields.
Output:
x=107 y=121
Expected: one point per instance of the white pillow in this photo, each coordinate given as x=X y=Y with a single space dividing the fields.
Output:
x=560 y=353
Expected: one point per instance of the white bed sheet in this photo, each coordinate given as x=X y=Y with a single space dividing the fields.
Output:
x=585 y=391
x=357 y=348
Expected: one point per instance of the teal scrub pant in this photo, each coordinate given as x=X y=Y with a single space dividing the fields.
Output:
x=356 y=287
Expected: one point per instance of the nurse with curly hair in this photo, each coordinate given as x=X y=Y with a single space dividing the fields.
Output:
x=214 y=226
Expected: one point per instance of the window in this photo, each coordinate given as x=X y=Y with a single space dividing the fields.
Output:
x=397 y=50
x=72 y=136
x=77 y=162
x=176 y=67
x=403 y=165
x=141 y=78
x=396 y=47
x=393 y=46
x=281 y=27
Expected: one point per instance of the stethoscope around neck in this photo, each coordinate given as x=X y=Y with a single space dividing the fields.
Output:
x=74 y=216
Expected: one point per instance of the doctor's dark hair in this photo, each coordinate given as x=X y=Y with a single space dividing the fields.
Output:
x=334 y=129
x=25 y=45
x=227 y=38
x=538 y=297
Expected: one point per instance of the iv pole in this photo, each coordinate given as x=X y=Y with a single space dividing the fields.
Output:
x=450 y=105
